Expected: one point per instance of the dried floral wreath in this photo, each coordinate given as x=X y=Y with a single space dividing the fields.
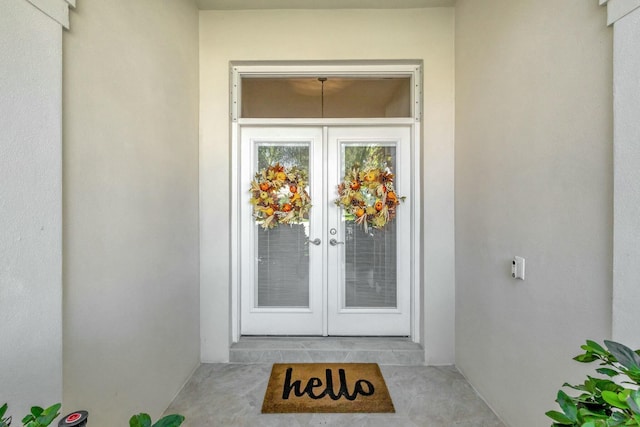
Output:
x=368 y=197
x=278 y=196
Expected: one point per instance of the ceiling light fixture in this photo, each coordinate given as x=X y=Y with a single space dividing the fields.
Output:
x=322 y=80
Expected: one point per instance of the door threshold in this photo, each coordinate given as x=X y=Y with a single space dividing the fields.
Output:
x=289 y=349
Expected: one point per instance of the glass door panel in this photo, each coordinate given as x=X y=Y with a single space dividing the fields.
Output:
x=370 y=255
x=282 y=277
x=283 y=267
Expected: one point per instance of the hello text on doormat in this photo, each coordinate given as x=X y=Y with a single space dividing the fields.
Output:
x=326 y=387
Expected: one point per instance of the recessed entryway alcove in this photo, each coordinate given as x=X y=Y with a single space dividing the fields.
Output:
x=329 y=37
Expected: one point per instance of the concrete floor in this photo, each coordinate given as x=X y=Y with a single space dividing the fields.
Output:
x=231 y=395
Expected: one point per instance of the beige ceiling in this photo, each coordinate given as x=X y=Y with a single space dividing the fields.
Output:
x=320 y=4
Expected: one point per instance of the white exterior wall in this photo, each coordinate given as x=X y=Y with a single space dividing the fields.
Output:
x=30 y=208
x=131 y=265
x=425 y=34
x=534 y=168
x=626 y=267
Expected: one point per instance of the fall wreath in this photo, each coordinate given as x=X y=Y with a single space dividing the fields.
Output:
x=278 y=196
x=368 y=197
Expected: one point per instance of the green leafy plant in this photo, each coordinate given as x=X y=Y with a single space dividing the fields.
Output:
x=38 y=417
x=603 y=402
x=4 y=422
x=41 y=417
x=144 y=420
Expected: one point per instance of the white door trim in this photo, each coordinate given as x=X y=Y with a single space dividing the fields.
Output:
x=412 y=69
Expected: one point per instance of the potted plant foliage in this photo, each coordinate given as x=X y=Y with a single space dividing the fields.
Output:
x=608 y=401
x=4 y=421
x=38 y=417
x=144 y=420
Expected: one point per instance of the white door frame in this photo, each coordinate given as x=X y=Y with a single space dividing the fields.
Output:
x=411 y=69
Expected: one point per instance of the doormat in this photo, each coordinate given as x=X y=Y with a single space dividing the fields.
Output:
x=326 y=387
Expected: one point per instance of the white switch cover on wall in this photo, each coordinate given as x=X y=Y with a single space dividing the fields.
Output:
x=517 y=268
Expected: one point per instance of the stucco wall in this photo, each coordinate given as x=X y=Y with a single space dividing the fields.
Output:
x=534 y=168
x=131 y=262
x=425 y=34
x=626 y=267
x=30 y=208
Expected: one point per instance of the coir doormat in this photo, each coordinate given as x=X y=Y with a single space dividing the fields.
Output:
x=326 y=387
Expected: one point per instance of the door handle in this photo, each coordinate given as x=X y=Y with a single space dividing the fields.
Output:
x=315 y=241
x=334 y=242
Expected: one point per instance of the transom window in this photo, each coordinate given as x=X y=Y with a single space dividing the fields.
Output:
x=326 y=97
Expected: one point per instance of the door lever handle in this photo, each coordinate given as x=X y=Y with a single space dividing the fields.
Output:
x=315 y=241
x=334 y=242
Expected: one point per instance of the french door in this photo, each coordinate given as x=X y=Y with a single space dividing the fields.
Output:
x=328 y=273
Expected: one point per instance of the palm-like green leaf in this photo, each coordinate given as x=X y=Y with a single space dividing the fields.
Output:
x=634 y=402
x=48 y=415
x=140 y=420
x=144 y=420
x=617 y=400
x=173 y=420
x=559 y=418
x=568 y=406
x=4 y=422
x=35 y=412
x=617 y=419
x=624 y=355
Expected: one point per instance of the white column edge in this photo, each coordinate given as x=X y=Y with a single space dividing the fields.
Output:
x=58 y=10
x=618 y=9
x=626 y=105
